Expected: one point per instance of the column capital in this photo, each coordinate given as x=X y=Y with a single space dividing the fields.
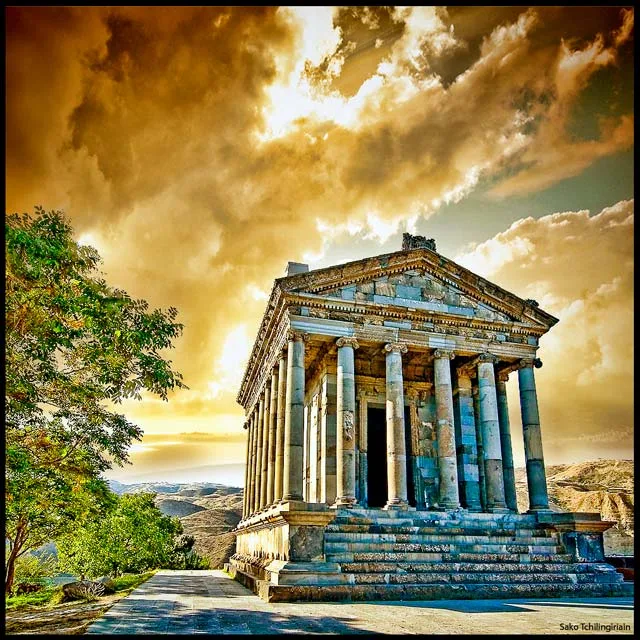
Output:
x=399 y=347
x=527 y=363
x=297 y=336
x=487 y=357
x=347 y=341
x=503 y=376
x=444 y=353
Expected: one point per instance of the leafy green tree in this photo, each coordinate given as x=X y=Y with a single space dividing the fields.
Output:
x=75 y=347
x=134 y=536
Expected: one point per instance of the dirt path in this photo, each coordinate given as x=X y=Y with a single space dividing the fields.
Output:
x=72 y=618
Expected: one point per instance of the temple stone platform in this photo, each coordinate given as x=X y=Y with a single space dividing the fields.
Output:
x=376 y=554
x=379 y=442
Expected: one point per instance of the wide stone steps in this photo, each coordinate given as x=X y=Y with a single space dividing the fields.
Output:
x=436 y=538
x=479 y=567
x=398 y=556
x=449 y=591
x=457 y=547
x=375 y=529
x=485 y=578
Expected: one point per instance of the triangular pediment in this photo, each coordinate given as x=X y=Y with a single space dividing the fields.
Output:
x=419 y=279
x=416 y=289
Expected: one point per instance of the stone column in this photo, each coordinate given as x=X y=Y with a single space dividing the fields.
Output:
x=467 y=447
x=396 y=449
x=505 y=442
x=265 y=447
x=259 y=435
x=252 y=469
x=346 y=416
x=273 y=414
x=490 y=434
x=294 y=418
x=536 y=477
x=245 y=493
x=449 y=497
x=282 y=393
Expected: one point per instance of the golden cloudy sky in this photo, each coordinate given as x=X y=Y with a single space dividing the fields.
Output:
x=201 y=148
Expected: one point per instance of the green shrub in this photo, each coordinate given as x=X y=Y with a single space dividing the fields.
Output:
x=32 y=569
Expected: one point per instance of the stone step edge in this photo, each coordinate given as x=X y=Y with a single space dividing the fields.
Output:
x=408 y=556
x=400 y=592
x=475 y=567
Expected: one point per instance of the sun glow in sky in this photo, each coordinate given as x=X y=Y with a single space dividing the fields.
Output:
x=199 y=149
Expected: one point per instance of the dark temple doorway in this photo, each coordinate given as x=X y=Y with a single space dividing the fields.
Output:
x=376 y=457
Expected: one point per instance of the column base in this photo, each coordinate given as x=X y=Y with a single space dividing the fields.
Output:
x=344 y=503
x=443 y=506
x=539 y=510
x=396 y=504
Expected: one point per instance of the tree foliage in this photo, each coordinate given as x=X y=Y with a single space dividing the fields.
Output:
x=75 y=347
x=134 y=536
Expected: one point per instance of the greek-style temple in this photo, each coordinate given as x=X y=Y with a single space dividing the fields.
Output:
x=379 y=448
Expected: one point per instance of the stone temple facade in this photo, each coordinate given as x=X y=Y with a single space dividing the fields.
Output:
x=379 y=449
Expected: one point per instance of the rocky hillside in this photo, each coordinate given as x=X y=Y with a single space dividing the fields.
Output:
x=601 y=486
x=208 y=511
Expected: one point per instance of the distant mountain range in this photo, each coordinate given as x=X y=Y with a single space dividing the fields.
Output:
x=210 y=510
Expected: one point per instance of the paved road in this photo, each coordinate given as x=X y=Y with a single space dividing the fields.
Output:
x=185 y=602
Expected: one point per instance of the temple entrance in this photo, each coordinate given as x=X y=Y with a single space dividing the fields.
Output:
x=377 y=457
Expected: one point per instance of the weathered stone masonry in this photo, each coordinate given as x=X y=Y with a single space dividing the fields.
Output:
x=379 y=386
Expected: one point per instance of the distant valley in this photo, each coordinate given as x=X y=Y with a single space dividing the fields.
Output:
x=210 y=511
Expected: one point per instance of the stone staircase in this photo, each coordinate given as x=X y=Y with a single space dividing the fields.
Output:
x=425 y=555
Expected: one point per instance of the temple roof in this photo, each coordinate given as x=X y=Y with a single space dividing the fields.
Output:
x=419 y=257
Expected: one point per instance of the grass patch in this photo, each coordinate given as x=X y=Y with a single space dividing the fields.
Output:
x=39 y=599
x=52 y=595
x=130 y=581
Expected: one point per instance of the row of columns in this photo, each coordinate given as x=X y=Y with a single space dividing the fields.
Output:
x=276 y=430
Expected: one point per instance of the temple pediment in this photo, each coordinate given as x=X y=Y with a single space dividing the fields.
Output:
x=418 y=279
x=416 y=289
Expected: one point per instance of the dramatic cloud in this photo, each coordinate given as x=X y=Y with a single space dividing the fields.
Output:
x=579 y=267
x=200 y=148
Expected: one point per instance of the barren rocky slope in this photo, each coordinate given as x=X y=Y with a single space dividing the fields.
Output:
x=209 y=511
x=600 y=486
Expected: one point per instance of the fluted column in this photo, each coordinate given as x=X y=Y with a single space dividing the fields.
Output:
x=449 y=497
x=282 y=393
x=508 y=473
x=536 y=476
x=265 y=447
x=271 y=458
x=245 y=493
x=346 y=412
x=294 y=418
x=476 y=413
x=490 y=433
x=396 y=449
x=259 y=437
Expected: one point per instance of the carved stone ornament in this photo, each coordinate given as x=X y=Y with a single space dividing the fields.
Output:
x=503 y=376
x=531 y=302
x=417 y=242
x=487 y=357
x=400 y=347
x=530 y=362
x=347 y=342
x=297 y=335
x=348 y=425
x=444 y=353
